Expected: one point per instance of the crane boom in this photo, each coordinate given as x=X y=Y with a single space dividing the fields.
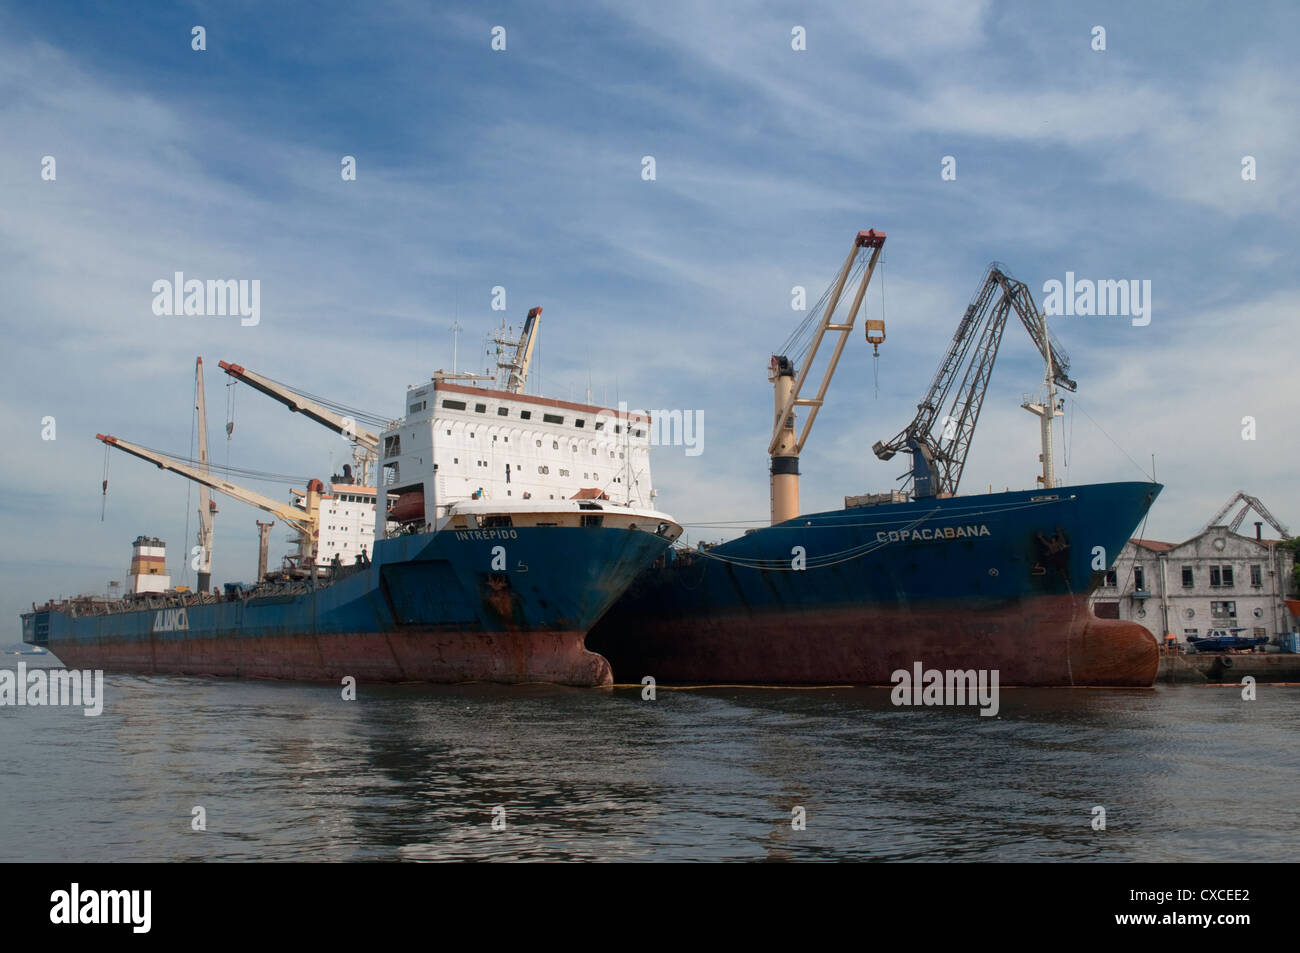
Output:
x=304 y=521
x=299 y=404
x=517 y=366
x=939 y=446
x=207 y=508
x=787 y=443
x=1250 y=502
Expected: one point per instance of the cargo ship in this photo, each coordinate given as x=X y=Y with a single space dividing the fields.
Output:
x=511 y=522
x=996 y=581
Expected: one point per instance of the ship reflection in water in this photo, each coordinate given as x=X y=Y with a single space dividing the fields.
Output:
x=292 y=772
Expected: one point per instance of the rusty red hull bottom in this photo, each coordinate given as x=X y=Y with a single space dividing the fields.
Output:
x=1043 y=641
x=409 y=655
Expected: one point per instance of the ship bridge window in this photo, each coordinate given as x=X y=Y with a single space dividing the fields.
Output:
x=525 y=415
x=480 y=408
x=418 y=406
x=454 y=404
x=552 y=418
x=503 y=411
x=393 y=446
x=600 y=425
x=579 y=422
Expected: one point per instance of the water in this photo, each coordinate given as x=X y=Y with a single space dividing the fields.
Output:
x=293 y=772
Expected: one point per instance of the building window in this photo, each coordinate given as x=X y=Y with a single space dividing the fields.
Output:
x=1188 y=632
x=1227 y=575
x=1139 y=578
x=1112 y=579
x=1256 y=576
x=1215 y=579
x=1188 y=580
x=1223 y=610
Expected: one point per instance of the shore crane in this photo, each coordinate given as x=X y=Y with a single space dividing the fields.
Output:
x=304 y=520
x=939 y=446
x=1250 y=503
x=787 y=381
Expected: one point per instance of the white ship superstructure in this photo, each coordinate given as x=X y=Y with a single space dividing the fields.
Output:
x=488 y=444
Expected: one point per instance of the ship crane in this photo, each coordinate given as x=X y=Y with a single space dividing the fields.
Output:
x=1250 y=503
x=939 y=445
x=367 y=441
x=787 y=382
x=304 y=520
x=517 y=365
x=207 y=505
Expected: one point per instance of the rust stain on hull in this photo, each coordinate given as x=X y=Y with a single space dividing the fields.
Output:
x=411 y=654
x=1044 y=641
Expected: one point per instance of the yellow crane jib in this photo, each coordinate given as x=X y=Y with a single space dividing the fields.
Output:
x=787 y=382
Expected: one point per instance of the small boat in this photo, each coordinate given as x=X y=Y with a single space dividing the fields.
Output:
x=1225 y=640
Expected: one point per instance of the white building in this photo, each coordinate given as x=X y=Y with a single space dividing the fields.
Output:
x=1216 y=580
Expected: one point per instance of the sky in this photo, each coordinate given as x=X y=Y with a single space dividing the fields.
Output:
x=524 y=168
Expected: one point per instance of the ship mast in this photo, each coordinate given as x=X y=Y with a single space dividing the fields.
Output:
x=207 y=506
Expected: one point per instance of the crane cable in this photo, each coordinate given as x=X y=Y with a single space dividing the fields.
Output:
x=875 y=356
x=103 y=504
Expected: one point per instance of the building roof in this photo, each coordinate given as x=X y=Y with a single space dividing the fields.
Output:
x=1154 y=545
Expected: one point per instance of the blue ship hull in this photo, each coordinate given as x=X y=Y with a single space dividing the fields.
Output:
x=851 y=596
x=428 y=607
